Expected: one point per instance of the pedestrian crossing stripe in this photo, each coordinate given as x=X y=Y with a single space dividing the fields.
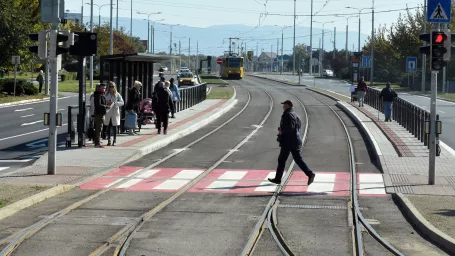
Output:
x=235 y=181
x=439 y=13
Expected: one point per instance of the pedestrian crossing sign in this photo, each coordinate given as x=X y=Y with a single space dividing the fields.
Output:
x=439 y=11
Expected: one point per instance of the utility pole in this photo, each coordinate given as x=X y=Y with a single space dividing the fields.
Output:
x=189 y=53
x=116 y=19
x=111 y=34
x=293 y=48
x=372 y=45
x=91 y=57
x=311 y=39
x=334 y=41
x=347 y=35
x=271 y=58
x=257 y=52
x=320 y=53
x=277 y=46
x=131 y=20
x=282 y=39
x=52 y=143
x=180 y=55
x=197 y=54
x=424 y=56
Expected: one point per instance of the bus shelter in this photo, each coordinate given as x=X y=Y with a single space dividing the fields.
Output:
x=124 y=69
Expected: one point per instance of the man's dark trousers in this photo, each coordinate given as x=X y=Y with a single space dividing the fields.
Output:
x=283 y=157
x=162 y=117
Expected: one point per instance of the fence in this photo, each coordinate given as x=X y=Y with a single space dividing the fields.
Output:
x=407 y=114
x=188 y=97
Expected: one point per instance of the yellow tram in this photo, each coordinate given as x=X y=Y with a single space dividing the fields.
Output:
x=232 y=67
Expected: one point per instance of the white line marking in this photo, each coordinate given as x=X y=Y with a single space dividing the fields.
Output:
x=441 y=112
x=230 y=175
x=28 y=133
x=323 y=183
x=187 y=174
x=15 y=161
x=36 y=102
x=130 y=183
x=3 y=168
x=266 y=186
x=370 y=178
x=234 y=177
x=147 y=174
x=372 y=188
x=131 y=174
x=27 y=115
x=447 y=147
x=172 y=184
x=35 y=122
x=113 y=183
x=24 y=109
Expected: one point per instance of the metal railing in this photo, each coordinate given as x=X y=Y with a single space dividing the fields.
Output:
x=191 y=96
x=407 y=114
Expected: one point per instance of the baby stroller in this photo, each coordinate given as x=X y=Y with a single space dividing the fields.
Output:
x=146 y=115
x=354 y=95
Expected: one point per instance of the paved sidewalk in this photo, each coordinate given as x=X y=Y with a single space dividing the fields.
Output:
x=75 y=165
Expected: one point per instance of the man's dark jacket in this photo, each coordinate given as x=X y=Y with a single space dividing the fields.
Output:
x=100 y=103
x=134 y=100
x=163 y=103
x=388 y=95
x=291 y=134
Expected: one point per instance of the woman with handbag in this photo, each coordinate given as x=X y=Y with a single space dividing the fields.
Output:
x=112 y=118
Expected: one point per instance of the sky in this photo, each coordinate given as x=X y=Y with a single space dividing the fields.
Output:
x=254 y=13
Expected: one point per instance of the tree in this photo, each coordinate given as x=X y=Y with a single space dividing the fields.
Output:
x=300 y=54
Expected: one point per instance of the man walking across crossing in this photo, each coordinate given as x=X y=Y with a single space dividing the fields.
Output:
x=290 y=139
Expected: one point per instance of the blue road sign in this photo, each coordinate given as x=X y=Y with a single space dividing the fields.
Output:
x=366 y=62
x=439 y=11
x=308 y=48
x=411 y=64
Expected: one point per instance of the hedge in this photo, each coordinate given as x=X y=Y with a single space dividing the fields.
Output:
x=23 y=87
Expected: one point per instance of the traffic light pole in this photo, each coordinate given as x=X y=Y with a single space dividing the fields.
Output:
x=81 y=115
x=52 y=143
x=432 y=163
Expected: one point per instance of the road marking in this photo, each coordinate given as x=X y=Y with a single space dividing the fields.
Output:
x=115 y=182
x=15 y=161
x=28 y=133
x=187 y=174
x=172 y=184
x=3 y=168
x=323 y=183
x=35 y=122
x=147 y=174
x=27 y=115
x=36 y=102
x=267 y=186
x=130 y=183
x=24 y=109
x=370 y=178
x=131 y=174
x=222 y=184
x=441 y=112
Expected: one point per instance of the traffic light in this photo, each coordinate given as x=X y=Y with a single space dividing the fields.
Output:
x=62 y=38
x=438 y=50
x=41 y=48
x=85 y=44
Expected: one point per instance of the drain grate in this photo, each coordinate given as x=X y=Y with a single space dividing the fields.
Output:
x=311 y=206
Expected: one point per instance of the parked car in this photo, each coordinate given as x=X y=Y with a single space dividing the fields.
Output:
x=327 y=73
x=162 y=69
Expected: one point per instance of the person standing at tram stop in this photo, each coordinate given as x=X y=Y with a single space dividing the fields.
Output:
x=362 y=89
x=134 y=100
x=388 y=95
x=290 y=139
x=112 y=118
x=175 y=94
x=162 y=107
x=99 y=110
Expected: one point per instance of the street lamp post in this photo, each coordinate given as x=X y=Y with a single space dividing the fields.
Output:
x=293 y=48
x=360 y=12
x=282 y=44
x=347 y=35
x=321 y=51
x=99 y=11
x=153 y=35
x=91 y=57
x=170 y=42
x=148 y=27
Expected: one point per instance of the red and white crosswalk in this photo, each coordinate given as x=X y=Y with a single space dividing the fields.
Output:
x=234 y=181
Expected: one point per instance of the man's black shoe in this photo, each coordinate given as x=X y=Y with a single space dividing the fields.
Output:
x=311 y=178
x=275 y=181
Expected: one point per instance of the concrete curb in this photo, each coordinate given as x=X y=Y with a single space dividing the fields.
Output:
x=327 y=95
x=22 y=102
x=425 y=227
x=29 y=201
x=279 y=81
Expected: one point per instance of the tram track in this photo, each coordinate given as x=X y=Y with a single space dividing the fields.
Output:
x=268 y=219
x=121 y=239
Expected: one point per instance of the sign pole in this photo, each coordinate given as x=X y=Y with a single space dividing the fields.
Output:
x=81 y=115
x=15 y=71
x=432 y=163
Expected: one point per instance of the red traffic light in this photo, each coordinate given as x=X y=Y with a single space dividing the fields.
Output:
x=439 y=37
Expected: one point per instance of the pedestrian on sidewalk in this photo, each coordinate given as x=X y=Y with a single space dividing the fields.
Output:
x=175 y=94
x=40 y=80
x=100 y=108
x=290 y=139
x=134 y=100
x=353 y=91
x=388 y=95
x=162 y=107
x=362 y=90
x=112 y=119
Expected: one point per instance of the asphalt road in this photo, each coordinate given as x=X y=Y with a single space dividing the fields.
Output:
x=219 y=223
x=445 y=109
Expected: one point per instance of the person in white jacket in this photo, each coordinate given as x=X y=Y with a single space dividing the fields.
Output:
x=112 y=118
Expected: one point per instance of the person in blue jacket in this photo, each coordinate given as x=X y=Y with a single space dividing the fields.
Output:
x=175 y=94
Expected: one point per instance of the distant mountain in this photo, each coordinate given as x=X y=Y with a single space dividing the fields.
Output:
x=213 y=40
